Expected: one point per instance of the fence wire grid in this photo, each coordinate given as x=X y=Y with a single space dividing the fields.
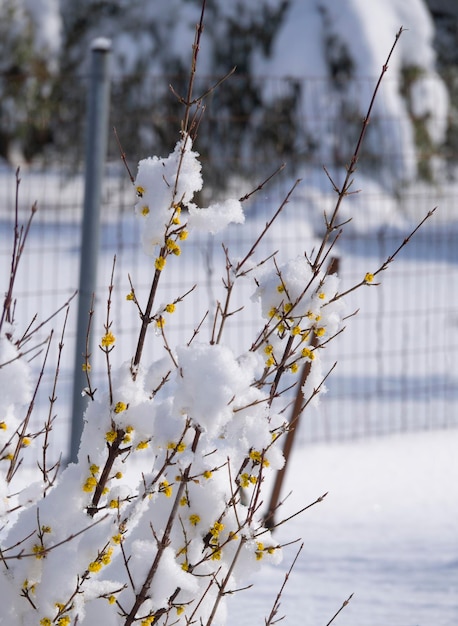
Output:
x=397 y=359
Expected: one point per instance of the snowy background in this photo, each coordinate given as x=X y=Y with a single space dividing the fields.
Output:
x=387 y=531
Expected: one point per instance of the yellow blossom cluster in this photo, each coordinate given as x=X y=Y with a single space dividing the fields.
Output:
x=178 y=447
x=261 y=550
x=165 y=488
x=247 y=479
x=257 y=458
x=173 y=247
x=39 y=551
x=108 y=339
x=104 y=558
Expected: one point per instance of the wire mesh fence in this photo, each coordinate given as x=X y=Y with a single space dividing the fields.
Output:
x=397 y=359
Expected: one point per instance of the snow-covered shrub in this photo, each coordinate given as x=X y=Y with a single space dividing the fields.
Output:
x=162 y=515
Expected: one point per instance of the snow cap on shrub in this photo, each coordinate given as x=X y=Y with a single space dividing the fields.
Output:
x=162 y=183
x=211 y=377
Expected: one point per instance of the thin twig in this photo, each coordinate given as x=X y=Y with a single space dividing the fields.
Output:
x=345 y=603
x=270 y=620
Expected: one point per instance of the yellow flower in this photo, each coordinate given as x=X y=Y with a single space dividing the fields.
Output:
x=140 y=190
x=287 y=307
x=294 y=367
x=95 y=567
x=216 y=529
x=270 y=361
x=319 y=332
x=183 y=235
x=259 y=551
x=194 y=519
x=165 y=488
x=185 y=566
x=110 y=436
x=179 y=447
x=94 y=469
x=159 y=263
x=64 y=620
x=147 y=621
x=280 y=288
x=216 y=554
x=142 y=445
x=321 y=295
x=208 y=474
x=108 y=339
x=177 y=251
x=308 y=354
x=3 y=426
x=26 y=441
x=45 y=621
x=255 y=456
x=90 y=484
x=118 y=475
x=117 y=539
x=296 y=330
x=120 y=407
x=245 y=480
x=106 y=557
x=111 y=599
x=86 y=367
x=369 y=277
x=170 y=308
x=114 y=504
x=39 y=551
x=145 y=209
x=184 y=501
x=269 y=349
x=130 y=296
x=160 y=322
x=180 y=610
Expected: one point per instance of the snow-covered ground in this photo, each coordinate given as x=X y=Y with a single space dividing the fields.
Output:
x=387 y=532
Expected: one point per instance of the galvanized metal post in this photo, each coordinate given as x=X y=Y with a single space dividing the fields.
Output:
x=98 y=102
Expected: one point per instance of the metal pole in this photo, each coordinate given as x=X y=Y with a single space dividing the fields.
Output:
x=96 y=148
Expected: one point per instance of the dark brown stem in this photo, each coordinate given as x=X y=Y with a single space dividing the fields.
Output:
x=113 y=453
